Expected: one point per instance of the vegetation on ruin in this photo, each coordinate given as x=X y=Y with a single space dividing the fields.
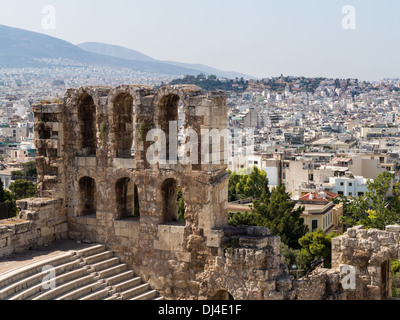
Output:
x=103 y=132
x=181 y=205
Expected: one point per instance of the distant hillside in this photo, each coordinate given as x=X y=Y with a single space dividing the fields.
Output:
x=21 y=48
x=211 y=83
x=115 y=51
x=124 y=53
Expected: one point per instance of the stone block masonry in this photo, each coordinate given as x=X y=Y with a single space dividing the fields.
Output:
x=96 y=182
x=40 y=223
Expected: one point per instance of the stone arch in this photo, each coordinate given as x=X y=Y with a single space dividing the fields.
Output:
x=167 y=119
x=169 y=191
x=126 y=195
x=87 y=125
x=123 y=124
x=173 y=103
x=87 y=196
x=222 y=295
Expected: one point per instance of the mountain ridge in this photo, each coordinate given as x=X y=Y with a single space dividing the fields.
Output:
x=126 y=53
x=22 y=48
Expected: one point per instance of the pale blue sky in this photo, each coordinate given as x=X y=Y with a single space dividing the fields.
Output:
x=258 y=37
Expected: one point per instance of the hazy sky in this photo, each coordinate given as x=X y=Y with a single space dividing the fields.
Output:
x=261 y=38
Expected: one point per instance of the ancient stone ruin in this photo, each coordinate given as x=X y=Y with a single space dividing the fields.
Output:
x=96 y=183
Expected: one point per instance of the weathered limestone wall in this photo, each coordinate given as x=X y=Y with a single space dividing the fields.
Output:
x=361 y=267
x=40 y=222
x=87 y=177
x=370 y=252
x=87 y=139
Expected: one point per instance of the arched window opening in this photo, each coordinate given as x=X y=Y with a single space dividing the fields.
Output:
x=87 y=121
x=168 y=118
x=88 y=196
x=173 y=202
x=127 y=199
x=123 y=126
x=222 y=295
x=169 y=191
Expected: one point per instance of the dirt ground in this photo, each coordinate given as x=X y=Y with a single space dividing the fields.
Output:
x=17 y=261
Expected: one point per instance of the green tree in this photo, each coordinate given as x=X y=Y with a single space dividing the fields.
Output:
x=396 y=279
x=30 y=169
x=233 y=181
x=274 y=210
x=22 y=189
x=247 y=183
x=315 y=245
x=243 y=219
x=181 y=206
x=2 y=196
x=290 y=255
x=277 y=212
x=375 y=209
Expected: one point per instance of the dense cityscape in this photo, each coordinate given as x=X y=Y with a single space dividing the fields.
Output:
x=312 y=135
x=294 y=189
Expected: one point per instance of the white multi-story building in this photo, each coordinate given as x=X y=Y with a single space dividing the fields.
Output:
x=347 y=185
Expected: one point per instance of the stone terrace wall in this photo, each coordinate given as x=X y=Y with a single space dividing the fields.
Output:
x=40 y=222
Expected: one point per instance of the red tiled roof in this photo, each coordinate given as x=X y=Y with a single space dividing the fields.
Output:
x=317 y=197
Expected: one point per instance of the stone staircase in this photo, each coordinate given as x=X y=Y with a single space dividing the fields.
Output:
x=89 y=274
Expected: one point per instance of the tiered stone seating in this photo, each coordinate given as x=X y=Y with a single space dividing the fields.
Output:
x=89 y=274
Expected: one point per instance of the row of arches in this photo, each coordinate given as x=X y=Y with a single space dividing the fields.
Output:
x=122 y=129
x=127 y=203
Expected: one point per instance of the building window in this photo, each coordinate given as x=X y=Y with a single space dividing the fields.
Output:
x=350 y=184
x=342 y=184
x=314 y=225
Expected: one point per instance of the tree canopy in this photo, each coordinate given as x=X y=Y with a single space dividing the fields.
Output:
x=272 y=209
x=315 y=245
x=376 y=208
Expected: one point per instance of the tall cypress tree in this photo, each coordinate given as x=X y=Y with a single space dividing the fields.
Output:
x=277 y=212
